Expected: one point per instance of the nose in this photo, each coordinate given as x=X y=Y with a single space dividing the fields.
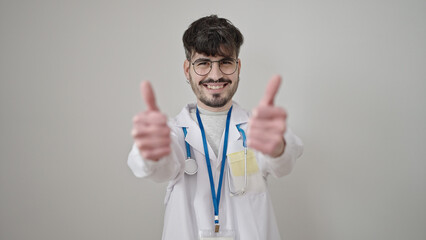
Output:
x=215 y=72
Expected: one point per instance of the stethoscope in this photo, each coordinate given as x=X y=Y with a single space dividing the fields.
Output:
x=191 y=166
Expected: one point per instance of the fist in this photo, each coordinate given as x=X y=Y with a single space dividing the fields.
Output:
x=150 y=131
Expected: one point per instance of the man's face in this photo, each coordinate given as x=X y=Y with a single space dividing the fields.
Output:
x=216 y=89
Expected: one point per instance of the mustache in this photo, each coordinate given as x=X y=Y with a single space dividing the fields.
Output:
x=220 y=80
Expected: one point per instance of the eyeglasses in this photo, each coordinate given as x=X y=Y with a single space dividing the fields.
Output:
x=203 y=66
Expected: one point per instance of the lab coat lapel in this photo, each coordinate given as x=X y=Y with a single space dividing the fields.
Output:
x=193 y=137
x=238 y=116
x=195 y=140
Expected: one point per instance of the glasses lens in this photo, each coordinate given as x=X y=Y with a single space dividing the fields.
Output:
x=202 y=67
x=228 y=66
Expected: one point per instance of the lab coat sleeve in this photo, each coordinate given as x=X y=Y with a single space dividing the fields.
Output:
x=282 y=165
x=163 y=170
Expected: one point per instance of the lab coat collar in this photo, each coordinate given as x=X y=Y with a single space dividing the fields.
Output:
x=193 y=137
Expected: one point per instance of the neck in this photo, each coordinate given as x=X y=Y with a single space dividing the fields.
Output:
x=226 y=107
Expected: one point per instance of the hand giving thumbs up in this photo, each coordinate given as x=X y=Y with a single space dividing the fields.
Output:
x=150 y=131
x=268 y=123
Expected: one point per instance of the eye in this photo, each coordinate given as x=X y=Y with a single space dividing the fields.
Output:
x=227 y=62
x=202 y=63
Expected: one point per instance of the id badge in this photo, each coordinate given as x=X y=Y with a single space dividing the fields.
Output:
x=221 y=235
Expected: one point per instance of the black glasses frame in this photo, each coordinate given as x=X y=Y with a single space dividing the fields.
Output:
x=218 y=62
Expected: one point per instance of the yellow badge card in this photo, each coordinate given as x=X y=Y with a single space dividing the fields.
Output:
x=237 y=163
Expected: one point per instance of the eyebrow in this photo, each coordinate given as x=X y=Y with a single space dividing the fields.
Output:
x=202 y=59
x=208 y=59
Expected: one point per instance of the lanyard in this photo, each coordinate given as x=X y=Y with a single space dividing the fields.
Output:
x=215 y=198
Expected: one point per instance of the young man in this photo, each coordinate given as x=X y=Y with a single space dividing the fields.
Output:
x=217 y=187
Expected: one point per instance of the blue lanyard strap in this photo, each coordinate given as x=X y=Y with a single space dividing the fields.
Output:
x=188 y=150
x=215 y=198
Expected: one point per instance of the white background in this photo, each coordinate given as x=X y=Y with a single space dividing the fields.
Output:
x=354 y=86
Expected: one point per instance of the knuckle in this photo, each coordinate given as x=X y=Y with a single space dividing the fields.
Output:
x=283 y=113
x=134 y=132
x=163 y=116
x=255 y=112
x=138 y=117
x=160 y=130
x=135 y=119
x=253 y=123
x=163 y=143
x=139 y=144
x=165 y=132
x=160 y=117
x=281 y=128
x=146 y=154
x=138 y=124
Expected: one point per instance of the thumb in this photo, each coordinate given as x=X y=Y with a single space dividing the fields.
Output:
x=271 y=91
x=148 y=96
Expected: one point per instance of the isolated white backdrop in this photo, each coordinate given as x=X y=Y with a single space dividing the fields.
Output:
x=354 y=86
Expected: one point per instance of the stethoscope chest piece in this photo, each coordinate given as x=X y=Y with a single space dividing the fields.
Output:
x=191 y=166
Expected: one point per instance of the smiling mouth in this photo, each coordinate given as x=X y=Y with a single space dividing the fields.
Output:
x=215 y=86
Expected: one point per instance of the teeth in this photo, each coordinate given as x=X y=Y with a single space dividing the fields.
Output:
x=215 y=87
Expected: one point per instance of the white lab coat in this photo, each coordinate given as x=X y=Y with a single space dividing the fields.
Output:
x=188 y=200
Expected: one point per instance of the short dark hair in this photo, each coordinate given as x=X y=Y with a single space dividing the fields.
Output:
x=212 y=36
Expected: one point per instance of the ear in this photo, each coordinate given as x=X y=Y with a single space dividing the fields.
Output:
x=186 y=65
x=239 y=65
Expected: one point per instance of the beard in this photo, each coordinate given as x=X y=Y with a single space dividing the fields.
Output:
x=216 y=100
